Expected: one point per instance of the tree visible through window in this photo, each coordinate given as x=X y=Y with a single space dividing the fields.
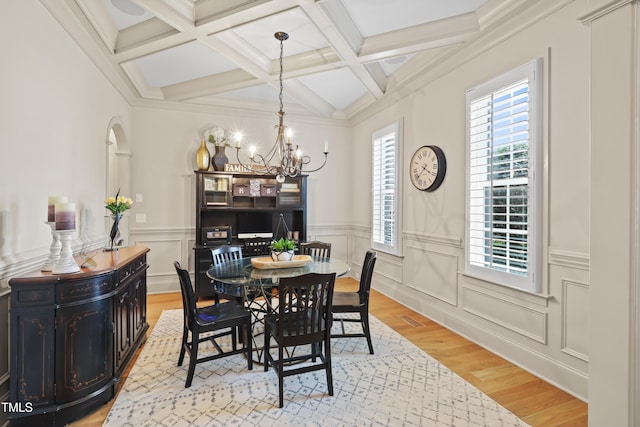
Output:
x=385 y=224
x=502 y=201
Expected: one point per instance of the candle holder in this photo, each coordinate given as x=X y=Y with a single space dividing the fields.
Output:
x=66 y=263
x=54 y=250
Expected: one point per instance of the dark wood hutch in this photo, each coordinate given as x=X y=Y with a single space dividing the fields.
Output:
x=232 y=207
x=73 y=335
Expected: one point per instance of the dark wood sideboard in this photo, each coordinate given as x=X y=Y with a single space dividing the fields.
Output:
x=73 y=335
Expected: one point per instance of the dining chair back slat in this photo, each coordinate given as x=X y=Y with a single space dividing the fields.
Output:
x=316 y=248
x=256 y=246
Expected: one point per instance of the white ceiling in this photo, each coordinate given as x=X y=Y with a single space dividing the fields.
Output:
x=341 y=55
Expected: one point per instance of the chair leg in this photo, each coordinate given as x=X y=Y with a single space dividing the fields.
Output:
x=193 y=357
x=248 y=343
x=185 y=337
x=280 y=367
x=234 y=336
x=265 y=351
x=327 y=360
x=365 y=328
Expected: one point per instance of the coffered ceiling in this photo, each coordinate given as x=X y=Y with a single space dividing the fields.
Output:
x=341 y=55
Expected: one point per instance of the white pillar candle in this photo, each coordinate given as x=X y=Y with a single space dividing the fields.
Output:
x=65 y=216
x=51 y=210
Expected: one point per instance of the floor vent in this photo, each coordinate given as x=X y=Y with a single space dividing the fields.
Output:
x=410 y=321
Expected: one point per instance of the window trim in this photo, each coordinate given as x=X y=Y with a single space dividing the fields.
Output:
x=395 y=248
x=532 y=281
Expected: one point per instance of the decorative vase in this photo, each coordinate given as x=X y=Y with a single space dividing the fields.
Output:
x=219 y=158
x=282 y=256
x=117 y=228
x=203 y=157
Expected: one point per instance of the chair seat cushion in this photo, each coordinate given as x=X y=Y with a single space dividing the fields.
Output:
x=220 y=312
x=346 y=299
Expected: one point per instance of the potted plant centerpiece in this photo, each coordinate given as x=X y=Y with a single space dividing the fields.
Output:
x=282 y=250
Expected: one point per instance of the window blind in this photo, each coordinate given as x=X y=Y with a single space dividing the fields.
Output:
x=384 y=189
x=499 y=221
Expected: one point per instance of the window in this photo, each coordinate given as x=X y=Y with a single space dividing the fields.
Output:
x=385 y=224
x=502 y=191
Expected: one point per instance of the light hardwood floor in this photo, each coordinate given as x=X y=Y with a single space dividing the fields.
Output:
x=530 y=398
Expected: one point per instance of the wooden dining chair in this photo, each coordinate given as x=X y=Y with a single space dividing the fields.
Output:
x=220 y=255
x=316 y=248
x=356 y=302
x=303 y=318
x=214 y=318
x=256 y=246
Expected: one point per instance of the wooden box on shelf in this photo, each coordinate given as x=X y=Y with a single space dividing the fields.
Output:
x=268 y=190
x=241 y=190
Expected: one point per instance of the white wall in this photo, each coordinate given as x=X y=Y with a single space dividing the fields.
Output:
x=56 y=107
x=164 y=146
x=546 y=333
x=55 y=110
x=613 y=192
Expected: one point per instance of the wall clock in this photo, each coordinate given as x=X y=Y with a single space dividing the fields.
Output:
x=427 y=168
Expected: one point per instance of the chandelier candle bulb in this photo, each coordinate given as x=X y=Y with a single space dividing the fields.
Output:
x=51 y=206
x=65 y=216
x=326 y=147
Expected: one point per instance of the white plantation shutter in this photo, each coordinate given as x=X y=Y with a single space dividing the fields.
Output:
x=502 y=202
x=385 y=186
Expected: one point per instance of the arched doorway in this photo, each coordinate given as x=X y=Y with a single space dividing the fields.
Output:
x=118 y=160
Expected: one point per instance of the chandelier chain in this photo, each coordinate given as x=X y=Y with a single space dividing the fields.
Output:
x=281 y=68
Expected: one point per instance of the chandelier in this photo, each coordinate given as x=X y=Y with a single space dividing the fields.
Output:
x=282 y=160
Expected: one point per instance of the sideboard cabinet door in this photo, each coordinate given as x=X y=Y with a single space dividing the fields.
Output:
x=123 y=304
x=85 y=337
x=32 y=358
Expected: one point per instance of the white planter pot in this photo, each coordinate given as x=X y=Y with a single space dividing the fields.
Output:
x=282 y=256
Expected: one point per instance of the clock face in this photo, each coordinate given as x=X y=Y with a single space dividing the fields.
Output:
x=427 y=168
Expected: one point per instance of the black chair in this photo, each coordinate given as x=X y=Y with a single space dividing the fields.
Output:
x=304 y=317
x=227 y=315
x=256 y=246
x=219 y=255
x=357 y=302
x=316 y=248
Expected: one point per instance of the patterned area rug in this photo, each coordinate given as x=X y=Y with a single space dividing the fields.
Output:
x=398 y=386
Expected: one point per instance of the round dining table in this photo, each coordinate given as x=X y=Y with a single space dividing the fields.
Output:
x=242 y=272
x=258 y=286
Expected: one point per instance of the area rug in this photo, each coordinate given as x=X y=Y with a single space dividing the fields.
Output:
x=398 y=386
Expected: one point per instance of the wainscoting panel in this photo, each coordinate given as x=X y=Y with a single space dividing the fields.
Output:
x=161 y=276
x=388 y=270
x=506 y=313
x=575 y=319
x=432 y=272
x=337 y=236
